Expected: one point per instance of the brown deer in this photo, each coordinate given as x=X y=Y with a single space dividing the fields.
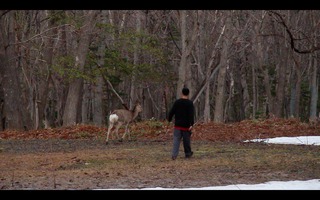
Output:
x=122 y=116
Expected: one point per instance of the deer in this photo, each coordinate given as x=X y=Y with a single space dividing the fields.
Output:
x=122 y=116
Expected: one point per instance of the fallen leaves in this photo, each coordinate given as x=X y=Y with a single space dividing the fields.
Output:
x=160 y=130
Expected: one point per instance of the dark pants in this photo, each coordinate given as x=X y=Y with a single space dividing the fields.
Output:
x=185 y=135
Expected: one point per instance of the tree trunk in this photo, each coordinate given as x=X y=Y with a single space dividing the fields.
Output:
x=184 y=71
x=45 y=82
x=136 y=53
x=254 y=93
x=315 y=73
x=73 y=98
x=281 y=76
x=296 y=110
x=98 y=108
x=12 y=106
x=183 y=60
x=220 y=93
x=314 y=90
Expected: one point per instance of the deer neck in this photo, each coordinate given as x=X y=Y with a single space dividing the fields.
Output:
x=134 y=114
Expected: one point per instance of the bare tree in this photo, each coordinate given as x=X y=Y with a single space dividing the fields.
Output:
x=72 y=102
x=14 y=114
x=220 y=93
x=187 y=44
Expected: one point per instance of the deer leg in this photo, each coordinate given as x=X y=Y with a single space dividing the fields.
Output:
x=117 y=129
x=109 y=129
x=128 y=133
x=125 y=132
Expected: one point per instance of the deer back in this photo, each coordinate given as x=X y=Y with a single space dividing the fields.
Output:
x=128 y=115
x=124 y=115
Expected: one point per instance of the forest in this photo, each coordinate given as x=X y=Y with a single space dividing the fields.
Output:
x=65 y=67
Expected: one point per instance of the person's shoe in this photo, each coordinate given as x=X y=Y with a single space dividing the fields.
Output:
x=189 y=156
x=174 y=157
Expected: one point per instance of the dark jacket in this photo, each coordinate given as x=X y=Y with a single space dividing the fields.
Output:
x=183 y=111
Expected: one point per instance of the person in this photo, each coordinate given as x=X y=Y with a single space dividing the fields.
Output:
x=183 y=112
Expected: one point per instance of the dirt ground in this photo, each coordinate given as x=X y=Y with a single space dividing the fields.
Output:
x=55 y=164
x=77 y=158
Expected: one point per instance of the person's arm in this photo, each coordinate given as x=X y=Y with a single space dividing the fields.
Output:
x=191 y=116
x=172 y=112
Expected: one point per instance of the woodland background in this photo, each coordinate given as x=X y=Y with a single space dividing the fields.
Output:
x=65 y=67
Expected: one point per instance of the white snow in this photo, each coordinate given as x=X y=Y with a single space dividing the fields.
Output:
x=313 y=184
x=299 y=140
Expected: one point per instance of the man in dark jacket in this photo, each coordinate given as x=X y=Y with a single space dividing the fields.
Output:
x=183 y=112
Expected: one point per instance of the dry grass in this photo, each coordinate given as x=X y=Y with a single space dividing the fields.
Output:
x=77 y=157
x=148 y=164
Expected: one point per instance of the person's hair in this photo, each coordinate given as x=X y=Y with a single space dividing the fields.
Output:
x=185 y=91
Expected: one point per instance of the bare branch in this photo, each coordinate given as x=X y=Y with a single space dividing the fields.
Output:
x=205 y=82
x=213 y=69
x=292 y=39
x=39 y=34
x=112 y=88
x=4 y=13
x=170 y=32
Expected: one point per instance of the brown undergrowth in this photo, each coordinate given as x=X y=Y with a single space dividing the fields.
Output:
x=161 y=130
